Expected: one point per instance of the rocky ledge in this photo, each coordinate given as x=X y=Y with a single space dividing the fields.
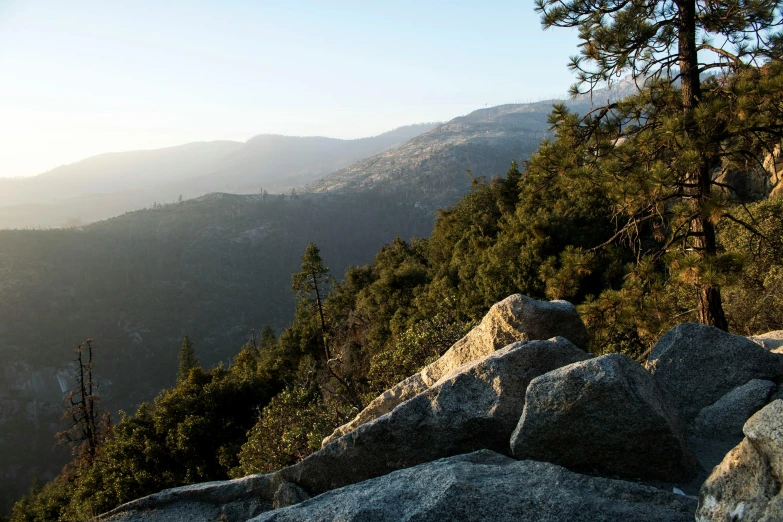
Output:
x=517 y=422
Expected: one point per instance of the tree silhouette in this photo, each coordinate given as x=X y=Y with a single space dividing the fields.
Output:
x=88 y=424
x=187 y=359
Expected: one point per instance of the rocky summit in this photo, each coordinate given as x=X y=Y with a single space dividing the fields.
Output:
x=518 y=422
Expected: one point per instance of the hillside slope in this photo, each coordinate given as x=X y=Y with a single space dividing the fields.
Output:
x=432 y=168
x=212 y=268
x=116 y=172
x=110 y=184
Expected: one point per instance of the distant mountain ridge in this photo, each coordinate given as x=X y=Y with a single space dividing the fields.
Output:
x=290 y=161
x=109 y=184
x=427 y=162
x=432 y=167
x=115 y=172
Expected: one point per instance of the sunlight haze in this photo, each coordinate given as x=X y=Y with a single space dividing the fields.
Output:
x=86 y=77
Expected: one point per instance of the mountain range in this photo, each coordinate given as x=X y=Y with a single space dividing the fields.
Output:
x=433 y=163
x=439 y=166
x=212 y=267
x=110 y=184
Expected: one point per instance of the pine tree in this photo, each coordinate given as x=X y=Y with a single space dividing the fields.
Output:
x=268 y=338
x=187 y=359
x=311 y=281
x=666 y=46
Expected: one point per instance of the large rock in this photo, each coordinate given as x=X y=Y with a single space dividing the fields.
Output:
x=476 y=406
x=724 y=419
x=772 y=341
x=699 y=364
x=381 y=405
x=746 y=486
x=516 y=318
x=233 y=500
x=488 y=486
x=606 y=415
x=755 y=183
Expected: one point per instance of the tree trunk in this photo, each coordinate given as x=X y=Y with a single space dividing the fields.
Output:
x=321 y=315
x=703 y=241
x=711 y=309
x=352 y=395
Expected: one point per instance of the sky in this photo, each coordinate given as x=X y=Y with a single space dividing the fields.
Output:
x=84 y=77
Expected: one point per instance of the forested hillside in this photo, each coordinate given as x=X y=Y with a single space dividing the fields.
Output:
x=212 y=268
x=604 y=222
x=549 y=230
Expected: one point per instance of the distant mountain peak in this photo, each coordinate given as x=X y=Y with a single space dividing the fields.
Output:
x=432 y=166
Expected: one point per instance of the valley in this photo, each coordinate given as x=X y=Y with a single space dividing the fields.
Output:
x=213 y=267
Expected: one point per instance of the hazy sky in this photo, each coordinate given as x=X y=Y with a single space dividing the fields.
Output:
x=82 y=77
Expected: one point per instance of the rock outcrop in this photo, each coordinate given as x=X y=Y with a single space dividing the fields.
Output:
x=516 y=318
x=746 y=486
x=233 y=500
x=757 y=182
x=606 y=415
x=437 y=446
x=477 y=406
x=724 y=419
x=488 y=486
x=772 y=341
x=699 y=364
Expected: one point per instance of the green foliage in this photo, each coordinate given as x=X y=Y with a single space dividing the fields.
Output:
x=487 y=248
x=654 y=298
x=755 y=300
x=187 y=359
x=310 y=279
x=44 y=503
x=416 y=347
x=290 y=427
x=190 y=433
x=653 y=38
x=655 y=153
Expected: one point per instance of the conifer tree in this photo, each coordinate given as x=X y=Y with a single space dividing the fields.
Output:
x=268 y=338
x=311 y=281
x=666 y=46
x=187 y=359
